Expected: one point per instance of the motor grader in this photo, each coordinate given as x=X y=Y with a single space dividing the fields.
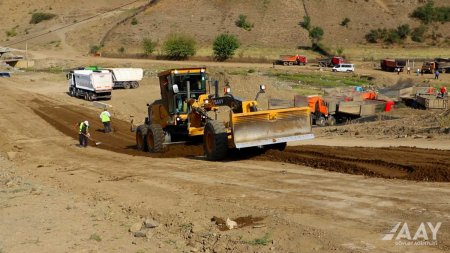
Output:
x=188 y=112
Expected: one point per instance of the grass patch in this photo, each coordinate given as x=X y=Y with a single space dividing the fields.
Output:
x=95 y=237
x=306 y=90
x=265 y=240
x=322 y=80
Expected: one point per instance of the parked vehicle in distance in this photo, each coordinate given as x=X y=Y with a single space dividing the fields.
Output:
x=343 y=68
x=331 y=61
x=392 y=64
x=289 y=60
x=126 y=77
x=90 y=85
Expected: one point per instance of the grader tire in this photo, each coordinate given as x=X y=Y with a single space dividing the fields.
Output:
x=141 y=138
x=155 y=138
x=215 y=141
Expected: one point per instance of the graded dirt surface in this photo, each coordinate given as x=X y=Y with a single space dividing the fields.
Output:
x=89 y=198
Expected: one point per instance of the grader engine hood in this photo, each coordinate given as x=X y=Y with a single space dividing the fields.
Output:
x=271 y=127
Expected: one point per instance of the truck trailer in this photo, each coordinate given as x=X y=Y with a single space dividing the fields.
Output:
x=90 y=85
x=126 y=77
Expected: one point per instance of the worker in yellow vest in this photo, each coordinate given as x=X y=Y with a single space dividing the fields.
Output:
x=83 y=133
x=106 y=120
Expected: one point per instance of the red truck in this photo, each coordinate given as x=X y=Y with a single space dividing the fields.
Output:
x=392 y=64
x=331 y=61
x=289 y=60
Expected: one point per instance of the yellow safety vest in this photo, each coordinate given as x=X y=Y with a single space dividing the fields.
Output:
x=104 y=116
x=81 y=128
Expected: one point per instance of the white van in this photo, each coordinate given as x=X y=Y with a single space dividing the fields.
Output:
x=343 y=68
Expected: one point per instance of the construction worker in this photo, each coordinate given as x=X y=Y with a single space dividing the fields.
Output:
x=106 y=120
x=408 y=70
x=436 y=74
x=83 y=134
x=443 y=91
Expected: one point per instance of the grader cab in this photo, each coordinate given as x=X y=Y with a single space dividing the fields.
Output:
x=187 y=111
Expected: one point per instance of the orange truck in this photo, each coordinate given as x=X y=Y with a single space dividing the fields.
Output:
x=320 y=114
x=289 y=60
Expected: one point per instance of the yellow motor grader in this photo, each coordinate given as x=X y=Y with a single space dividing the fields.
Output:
x=187 y=111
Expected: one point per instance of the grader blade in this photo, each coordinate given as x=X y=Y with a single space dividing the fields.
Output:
x=271 y=127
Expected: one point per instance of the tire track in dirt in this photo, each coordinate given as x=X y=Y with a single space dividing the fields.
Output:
x=398 y=163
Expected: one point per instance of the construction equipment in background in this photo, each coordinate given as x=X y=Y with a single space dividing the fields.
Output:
x=393 y=64
x=428 y=67
x=426 y=98
x=289 y=60
x=337 y=109
x=90 y=85
x=442 y=64
x=122 y=77
x=330 y=61
x=187 y=111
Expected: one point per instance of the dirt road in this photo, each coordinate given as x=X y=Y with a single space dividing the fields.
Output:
x=303 y=209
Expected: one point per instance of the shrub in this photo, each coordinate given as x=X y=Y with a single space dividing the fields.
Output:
x=94 y=49
x=38 y=17
x=306 y=23
x=376 y=35
x=345 y=22
x=11 y=33
x=403 y=31
x=392 y=37
x=243 y=23
x=418 y=33
x=316 y=34
x=224 y=46
x=134 y=21
x=149 y=46
x=121 y=50
x=179 y=47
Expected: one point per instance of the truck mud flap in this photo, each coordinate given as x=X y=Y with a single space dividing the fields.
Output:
x=271 y=127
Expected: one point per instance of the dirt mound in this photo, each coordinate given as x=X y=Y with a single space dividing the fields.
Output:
x=400 y=163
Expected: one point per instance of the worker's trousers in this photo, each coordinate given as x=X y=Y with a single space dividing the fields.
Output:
x=83 y=140
x=107 y=127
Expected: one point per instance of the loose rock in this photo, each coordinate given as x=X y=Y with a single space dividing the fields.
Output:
x=136 y=227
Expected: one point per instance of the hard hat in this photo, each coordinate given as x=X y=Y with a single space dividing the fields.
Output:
x=86 y=122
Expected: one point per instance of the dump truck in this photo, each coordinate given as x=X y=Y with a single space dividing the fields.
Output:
x=320 y=113
x=392 y=64
x=126 y=77
x=442 y=64
x=330 y=61
x=90 y=85
x=187 y=112
x=289 y=60
x=122 y=77
x=428 y=67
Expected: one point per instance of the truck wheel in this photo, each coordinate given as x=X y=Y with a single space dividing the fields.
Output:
x=291 y=63
x=155 y=138
x=215 y=141
x=331 y=121
x=285 y=63
x=321 y=121
x=141 y=138
x=134 y=85
x=126 y=85
x=86 y=96
x=71 y=92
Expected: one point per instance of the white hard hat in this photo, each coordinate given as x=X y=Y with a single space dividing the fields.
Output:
x=86 y=122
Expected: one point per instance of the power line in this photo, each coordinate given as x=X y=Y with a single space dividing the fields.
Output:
x=72 y=24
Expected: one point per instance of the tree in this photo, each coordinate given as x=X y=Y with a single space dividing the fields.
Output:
x=316 y=34
x=179 y=47
x=306 y=24
x=224 y=46
x=149 y=46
